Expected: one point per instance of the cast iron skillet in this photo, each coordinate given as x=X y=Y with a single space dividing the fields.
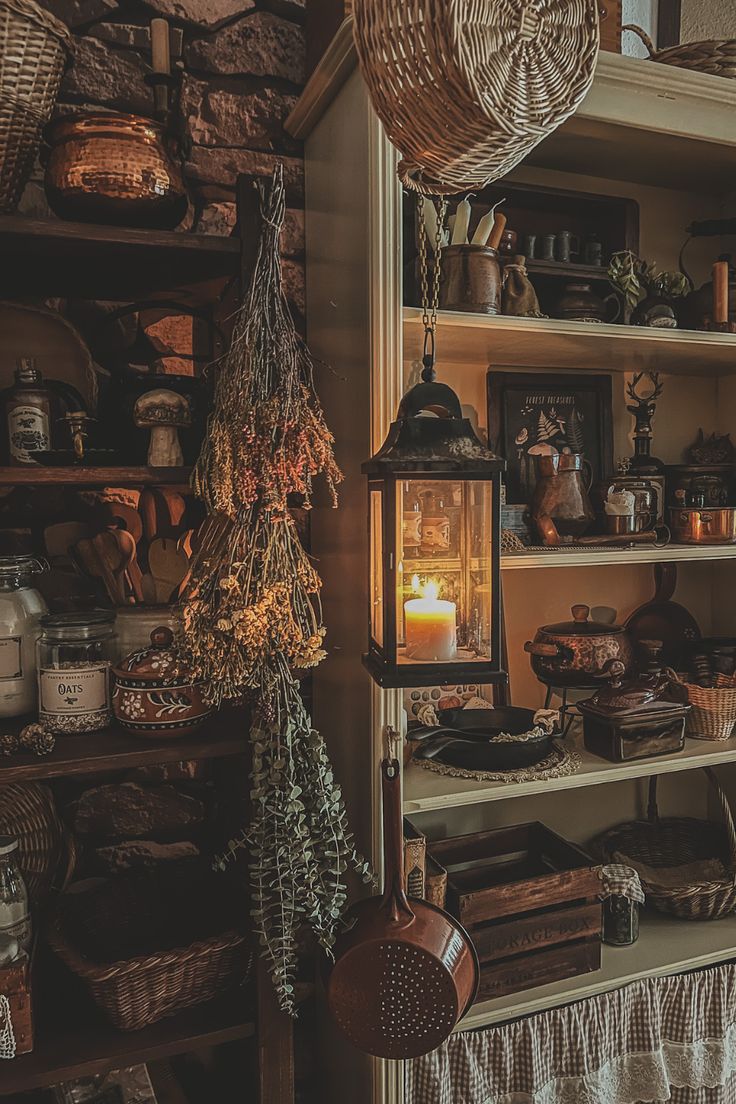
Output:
x=465 y=738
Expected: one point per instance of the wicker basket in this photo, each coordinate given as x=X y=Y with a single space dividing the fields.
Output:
x=679 y=841
x=717 y=56
x=466 y=92
x=713 y=713
x=34 y=48
x=141 y=989
x=28 y=812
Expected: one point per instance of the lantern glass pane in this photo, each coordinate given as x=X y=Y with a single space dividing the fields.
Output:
x=443 y=601
x=376 y=577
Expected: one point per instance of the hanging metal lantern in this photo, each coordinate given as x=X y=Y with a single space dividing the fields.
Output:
x=434 y=492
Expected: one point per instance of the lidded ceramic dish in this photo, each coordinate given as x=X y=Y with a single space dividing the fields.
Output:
x=156 y=693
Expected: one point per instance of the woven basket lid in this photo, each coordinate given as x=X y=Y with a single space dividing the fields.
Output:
x=466 y=88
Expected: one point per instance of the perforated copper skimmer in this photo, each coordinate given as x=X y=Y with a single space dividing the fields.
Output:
x=404 y=972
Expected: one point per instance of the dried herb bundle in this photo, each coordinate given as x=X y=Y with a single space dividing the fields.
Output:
x=251 y=613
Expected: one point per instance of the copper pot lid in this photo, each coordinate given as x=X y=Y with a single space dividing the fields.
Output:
x=113 y=124
x=160 y=662
x=581 y=625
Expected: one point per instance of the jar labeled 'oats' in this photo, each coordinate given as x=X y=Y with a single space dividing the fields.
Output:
x=75 y=654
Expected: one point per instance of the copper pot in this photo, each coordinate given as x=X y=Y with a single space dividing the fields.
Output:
x=577 y=653
x=561 y=492
x=712 y=525
x=114 y=168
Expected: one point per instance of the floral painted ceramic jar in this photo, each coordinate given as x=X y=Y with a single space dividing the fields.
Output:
x=156 y=693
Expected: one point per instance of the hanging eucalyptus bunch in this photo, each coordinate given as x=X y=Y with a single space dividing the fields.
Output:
x=251 y=613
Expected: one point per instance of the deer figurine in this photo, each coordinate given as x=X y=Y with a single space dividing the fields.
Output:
x=643 y=408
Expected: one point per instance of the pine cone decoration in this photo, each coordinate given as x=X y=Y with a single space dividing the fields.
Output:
x=8 y=744
x=37 y=739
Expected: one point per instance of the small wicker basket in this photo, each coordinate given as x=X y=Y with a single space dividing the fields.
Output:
x=679 y=841
x=713 y=713
x=34 y=48
x=140 y=991
x=45 y=852
x=717 y=56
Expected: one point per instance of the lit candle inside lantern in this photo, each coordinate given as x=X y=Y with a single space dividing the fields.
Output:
x=431 y=626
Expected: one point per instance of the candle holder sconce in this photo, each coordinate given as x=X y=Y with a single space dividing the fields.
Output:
x=434 y=503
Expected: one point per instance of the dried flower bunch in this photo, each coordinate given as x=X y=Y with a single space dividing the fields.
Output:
x=251 y=612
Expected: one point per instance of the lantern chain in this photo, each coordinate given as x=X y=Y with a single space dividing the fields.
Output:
x=429 y=307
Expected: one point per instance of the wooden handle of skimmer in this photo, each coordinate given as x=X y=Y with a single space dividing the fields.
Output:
x=499 y=225
x=393 y=841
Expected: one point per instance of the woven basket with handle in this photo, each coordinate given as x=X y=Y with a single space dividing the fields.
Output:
x=34 y=48
x=717 y=56
x=669 y=842
x=713 y=713
x=28 y=813
x=466 y=88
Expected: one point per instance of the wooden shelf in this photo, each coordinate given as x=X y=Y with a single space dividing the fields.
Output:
x=480 y=341
x=666 y=946
x=113 y=749
x=427 y=791
x=76 y=1042
x=538 y=267
x=50 y=257
x=613 y=557
x=92 y=477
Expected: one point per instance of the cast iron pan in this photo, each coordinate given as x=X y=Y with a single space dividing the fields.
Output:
x=465 y=739
x=662 y=619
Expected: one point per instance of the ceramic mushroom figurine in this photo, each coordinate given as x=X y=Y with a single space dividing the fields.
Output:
x=164 y=413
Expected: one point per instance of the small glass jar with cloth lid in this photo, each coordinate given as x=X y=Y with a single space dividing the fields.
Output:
x=622 y=895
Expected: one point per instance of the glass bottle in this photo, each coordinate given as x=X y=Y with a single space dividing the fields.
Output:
x=21 y=609
x=75 y=655
x=28 y=414
x=15 y=916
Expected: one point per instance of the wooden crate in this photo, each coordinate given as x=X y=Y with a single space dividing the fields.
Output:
x=530 y=902
x=611 y=25
x=15 y=984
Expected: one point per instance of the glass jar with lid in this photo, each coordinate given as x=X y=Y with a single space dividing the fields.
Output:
x=15 y=917
x=21 y=609
x=75 y=655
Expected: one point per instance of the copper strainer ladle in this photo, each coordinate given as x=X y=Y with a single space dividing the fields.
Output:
x=404 y=972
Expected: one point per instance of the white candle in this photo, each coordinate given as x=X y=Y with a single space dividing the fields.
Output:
x=431 y=627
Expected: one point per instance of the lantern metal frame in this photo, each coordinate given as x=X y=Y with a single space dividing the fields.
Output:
x=430 y=440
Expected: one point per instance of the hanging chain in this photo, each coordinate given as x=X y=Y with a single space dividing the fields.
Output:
x=429 y=306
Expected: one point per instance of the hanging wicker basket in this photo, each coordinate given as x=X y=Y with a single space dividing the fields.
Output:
x=34 y=48
x=466 y=88
x=717 y=57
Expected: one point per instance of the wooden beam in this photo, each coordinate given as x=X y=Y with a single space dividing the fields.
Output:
x=668 y=23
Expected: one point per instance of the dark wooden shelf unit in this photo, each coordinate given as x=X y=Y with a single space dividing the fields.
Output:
x=77 y=1042
x=571 y=271
x=80 y=260
x=114 y=749
x=33 y=475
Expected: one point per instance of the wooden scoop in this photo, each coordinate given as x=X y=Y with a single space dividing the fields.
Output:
x=169 y=566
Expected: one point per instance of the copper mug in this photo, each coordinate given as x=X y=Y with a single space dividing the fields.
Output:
x=114 y=168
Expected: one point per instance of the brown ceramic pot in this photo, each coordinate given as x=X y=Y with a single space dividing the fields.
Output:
x=577 y=653
x=156 y=693
x=114 y=168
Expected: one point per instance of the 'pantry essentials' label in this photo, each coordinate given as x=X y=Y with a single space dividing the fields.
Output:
x=74 y=690
x=11 y=663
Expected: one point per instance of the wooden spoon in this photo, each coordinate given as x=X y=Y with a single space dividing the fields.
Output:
x=85 y=555
x=169 y=566
x=131 y=567
x=112 y=561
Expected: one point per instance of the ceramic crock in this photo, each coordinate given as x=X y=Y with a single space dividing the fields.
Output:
x=156 y=693
x=114 y=168
x=577 y=653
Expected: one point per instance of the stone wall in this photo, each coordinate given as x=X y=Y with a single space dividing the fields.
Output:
x=243 y=68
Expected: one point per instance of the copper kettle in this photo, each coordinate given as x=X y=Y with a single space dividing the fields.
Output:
x=114 y=168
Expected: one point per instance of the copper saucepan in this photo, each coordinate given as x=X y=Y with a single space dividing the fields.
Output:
x=708 y=525
x=404 y=972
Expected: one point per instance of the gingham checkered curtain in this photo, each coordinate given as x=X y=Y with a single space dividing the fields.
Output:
x=664 y=1039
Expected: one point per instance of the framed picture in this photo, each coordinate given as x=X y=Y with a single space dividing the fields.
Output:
x=536 y=413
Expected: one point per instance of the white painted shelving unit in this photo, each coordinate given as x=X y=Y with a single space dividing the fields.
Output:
x=666 y=138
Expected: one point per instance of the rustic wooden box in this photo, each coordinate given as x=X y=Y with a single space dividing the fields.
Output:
x=530 y=902
x=15 y=984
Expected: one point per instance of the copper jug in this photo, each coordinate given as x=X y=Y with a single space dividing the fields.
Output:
x=561 y=492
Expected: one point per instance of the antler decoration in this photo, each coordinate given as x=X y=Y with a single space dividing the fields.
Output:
x=645 y=405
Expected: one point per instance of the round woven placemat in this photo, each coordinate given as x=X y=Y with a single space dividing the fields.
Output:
x=560 y=763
